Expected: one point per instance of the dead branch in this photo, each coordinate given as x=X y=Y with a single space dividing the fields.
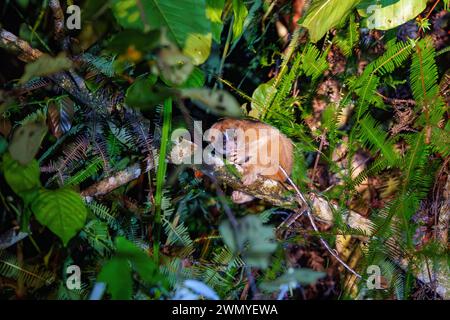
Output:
x=58 y=17
x=18 y=47
x=113 y=182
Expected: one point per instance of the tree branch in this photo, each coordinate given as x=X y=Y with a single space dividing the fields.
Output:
x=18 y=47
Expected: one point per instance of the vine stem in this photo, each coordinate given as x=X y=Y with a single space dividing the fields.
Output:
x=432 y=8
x=313 y=223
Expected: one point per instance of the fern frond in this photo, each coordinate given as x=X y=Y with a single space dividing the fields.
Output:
x=105 y=214
x=102 y=64
x=349 y=40
x=314 y=63
x=441 y=140
x=72 y=155
x=177 y=233
x=33 y=276
x=423 y=72
x=366 y=85
x=373 y=136
x=97 y=235
x=90 y=169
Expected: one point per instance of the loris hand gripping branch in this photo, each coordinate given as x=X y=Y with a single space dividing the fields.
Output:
x=258 y=148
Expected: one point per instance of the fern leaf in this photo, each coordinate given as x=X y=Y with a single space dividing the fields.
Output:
x=372 y=135
x=423 y=73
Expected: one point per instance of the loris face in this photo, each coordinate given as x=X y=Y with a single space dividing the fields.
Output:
x=259 y=148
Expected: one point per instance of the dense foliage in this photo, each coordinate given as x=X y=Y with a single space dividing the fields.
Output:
x=361 y=87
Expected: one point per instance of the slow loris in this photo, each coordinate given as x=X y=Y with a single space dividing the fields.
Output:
x=258 y=148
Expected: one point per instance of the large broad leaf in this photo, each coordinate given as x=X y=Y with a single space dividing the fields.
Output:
x=324 y=15
x=185 y=21
x=116 y=273
x=62 y=211
x=240 y=13
x=140 y=260
x=144 y=93
x=261 y=97
x=23 y=179
x=214 y=10
x=388 y=14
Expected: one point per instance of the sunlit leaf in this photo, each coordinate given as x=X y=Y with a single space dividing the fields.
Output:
x=240 y=13
x=214 y=10
x=388 y=14
x=324 y=15
x=261 y=97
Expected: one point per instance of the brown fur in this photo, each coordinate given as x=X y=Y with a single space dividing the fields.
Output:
x=269 y=170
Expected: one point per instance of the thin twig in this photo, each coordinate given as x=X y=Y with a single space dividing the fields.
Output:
x=311 y=219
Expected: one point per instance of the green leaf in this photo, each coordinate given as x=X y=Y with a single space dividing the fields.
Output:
x=26 y=141
x=262 y=97
x=387 y=14
x=185 y=21
x=214 y=10
x=143 y=264
x=116 y=273
x=424 y=72
x=372 y=135
x=195 y=80
x=251 y=239
x=324 y=15
x=240 y=13
x=62 y=211
x=141 y=41
x=46 y=65
x=23 y=179
x=139 y=94
x=314 y=63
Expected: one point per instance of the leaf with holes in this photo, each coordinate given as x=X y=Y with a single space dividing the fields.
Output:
x=62 y=211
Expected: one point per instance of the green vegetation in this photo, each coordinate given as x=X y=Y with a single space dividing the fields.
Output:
x=361 y=87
